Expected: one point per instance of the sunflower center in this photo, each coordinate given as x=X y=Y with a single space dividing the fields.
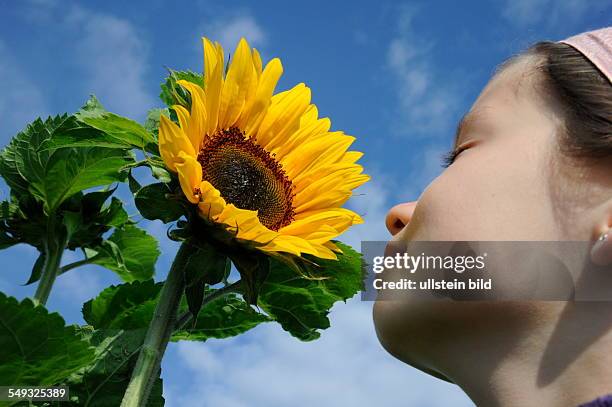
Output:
x=248 y=176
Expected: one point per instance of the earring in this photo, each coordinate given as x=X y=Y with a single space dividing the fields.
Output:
x=601 y=252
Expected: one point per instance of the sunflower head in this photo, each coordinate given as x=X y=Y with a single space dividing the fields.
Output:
x=261 y=165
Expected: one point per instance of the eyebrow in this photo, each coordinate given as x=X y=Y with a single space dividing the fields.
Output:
x=467 y=121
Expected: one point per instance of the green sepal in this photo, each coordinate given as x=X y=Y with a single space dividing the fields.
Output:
x=254 y=268
x=153 y=117
x=37 y=269
x=133 y=184
x=206 y=266
x=174 y=94
x=159 y=201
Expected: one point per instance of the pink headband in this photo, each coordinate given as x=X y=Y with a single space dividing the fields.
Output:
x=597 y=47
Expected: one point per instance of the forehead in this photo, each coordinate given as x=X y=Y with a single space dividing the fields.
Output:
x=515 y=80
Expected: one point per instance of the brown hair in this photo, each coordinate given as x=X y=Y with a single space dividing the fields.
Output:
x=584 y=95
x=582 y=92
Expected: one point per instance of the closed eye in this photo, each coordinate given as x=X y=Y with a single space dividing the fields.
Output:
x=451 y=156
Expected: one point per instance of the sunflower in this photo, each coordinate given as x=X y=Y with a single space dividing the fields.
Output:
x=263 y=165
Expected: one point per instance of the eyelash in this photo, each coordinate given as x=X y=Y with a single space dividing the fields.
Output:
x=451 y=156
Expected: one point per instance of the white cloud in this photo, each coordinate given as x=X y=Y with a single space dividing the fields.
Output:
x=228 y=31
x=548 y=12
x=111 y=54
x=20 y=98
x=114 y=56
x=425 y=99
x=267 y=367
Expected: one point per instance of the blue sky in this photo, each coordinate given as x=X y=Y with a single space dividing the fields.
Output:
x=397 y=75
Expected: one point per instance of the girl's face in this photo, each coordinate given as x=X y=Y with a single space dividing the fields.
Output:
x=508 y=183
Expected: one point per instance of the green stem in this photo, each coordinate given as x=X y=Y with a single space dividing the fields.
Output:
x=147 y=367
x=54 y=249
x=76 y=264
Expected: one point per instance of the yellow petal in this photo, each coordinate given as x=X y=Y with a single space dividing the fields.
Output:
x=306 y=134
x=283 y=116
x=213 y=98
x=198 y=113
x=190 y=176
x=172 y=141
x=319 y=151
x=321 y=226
x=211 y=204
x=237 y=84
x=257 y=62
x=183 y=117
x=212 y=57
x=250 y=121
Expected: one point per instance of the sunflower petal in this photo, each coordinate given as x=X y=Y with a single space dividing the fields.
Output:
x=283 y=116
x=212 y=203
x=213 y=82
x=172 y=141
x=265 y=88
x=190 y=176
x=197 y=123
x=236 y=85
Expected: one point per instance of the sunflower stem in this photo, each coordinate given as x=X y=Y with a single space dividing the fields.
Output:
x=158 y=334
x=76 y=264
x=53 y=247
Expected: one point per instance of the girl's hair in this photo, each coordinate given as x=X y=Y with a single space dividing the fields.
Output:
x=584 y=95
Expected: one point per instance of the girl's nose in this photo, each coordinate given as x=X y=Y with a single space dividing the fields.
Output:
x=399 y=216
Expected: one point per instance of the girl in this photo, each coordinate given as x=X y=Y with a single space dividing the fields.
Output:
x=532 y=161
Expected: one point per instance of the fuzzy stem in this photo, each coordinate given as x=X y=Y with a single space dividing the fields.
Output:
x=76 y=264
x=54 y=247
x=156 y=340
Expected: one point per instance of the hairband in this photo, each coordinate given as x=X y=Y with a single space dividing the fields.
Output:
x=596 y=46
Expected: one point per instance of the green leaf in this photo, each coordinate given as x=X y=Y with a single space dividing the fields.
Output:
x=95 y=126
x=88 y=224
x=153 y=202
x=73 y=170
x=38 y=349
x=104 y=381
x=34 y=163
x=124 y=306
x=300 y=304
x=160 y=172
x=20 y=161
x=129 y=251
x=223 y=318
x=131 y=306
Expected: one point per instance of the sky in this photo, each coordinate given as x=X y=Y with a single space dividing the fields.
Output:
x=396 y=75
